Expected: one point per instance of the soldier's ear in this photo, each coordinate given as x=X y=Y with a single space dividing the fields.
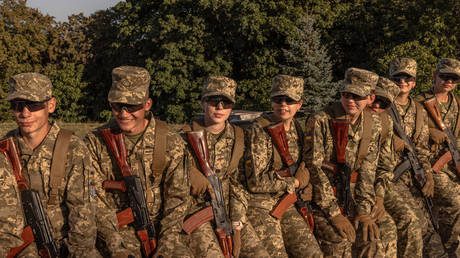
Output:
x=371 y=98
x=148 y=104
x=51 y=105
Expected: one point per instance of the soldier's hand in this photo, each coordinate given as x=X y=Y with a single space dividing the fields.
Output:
x=199 y=183
x=379 y=209
x=398 y=143
x=428 y=188
x=370 y=230
x=307 y=193
x=236 y=243
x=302 y=175
x=437 y=135
x=344 y=227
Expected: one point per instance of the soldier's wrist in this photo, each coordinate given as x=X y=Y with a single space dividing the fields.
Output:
x=237 y=225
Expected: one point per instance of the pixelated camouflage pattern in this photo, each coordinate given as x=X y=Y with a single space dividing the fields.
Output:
x=219 y=86
x=447 y=184
x=166 y=194
x=448 y=65
x=374 y=175
x=359 y=81
x=387 y=88
x=203 y=241
x=285 y=85
x=12 y=219
x=266 y=187
x=403 y=66
x=130 y=85
x=30 y=86
x=72 y=218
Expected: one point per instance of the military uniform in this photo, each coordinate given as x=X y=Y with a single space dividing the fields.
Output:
x=70 y=210
x=403 y=201
x=290 y=236
x=371 y=181
x=447 y=188
x=222 y=147
x=165 y=191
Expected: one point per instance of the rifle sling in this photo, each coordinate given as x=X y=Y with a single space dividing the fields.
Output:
x=366 y=136
x=58 y=164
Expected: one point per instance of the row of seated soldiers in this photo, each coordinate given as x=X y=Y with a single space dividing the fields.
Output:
x=375 y=174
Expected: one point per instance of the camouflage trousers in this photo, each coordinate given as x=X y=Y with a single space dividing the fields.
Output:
x=416 y=234
x=333 y=245
x=203 y=243
x=288 y=237
x=447 y=206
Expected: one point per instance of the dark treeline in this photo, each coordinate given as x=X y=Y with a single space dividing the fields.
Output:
x=181 y=42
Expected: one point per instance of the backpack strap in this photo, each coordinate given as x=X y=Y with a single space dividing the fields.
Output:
x=59 y=160
x=385 y=117
x=366 y=137
x=238 y=149
x=418 y=119
x=159 y=150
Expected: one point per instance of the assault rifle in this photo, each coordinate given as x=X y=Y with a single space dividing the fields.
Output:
x=342 y=172
x=412 y=162
x=137 y=214
x=38 y=227
x=431 y=106
x=279 y=139
x=223 y=229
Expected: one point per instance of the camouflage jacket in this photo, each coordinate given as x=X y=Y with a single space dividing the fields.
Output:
x=264 y=183
x=449 y=113
x=408 y=115
x=166 y=193
x=72 y=215
x=220 y=148
x=320 y=148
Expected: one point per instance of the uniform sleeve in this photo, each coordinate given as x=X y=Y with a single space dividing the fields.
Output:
x=262 y=177
x=106 y=219
x=317 y=129
x=176 y=203
x=386 y=163
x=82 y=233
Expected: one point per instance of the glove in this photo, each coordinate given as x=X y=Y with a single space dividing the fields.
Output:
x=371 y=231
x=199 y=183
x=344 y=227
x=398 y=144
x=302 y=175
x=236 y=243
x=428 y=188
x=379 y=209
x=307 y=193
x=437 y=135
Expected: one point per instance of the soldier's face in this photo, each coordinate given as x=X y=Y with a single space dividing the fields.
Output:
x=216 y=109
x=405 y=82
x=354 y=104
x=132 y=123
x=445 y=82
x=285 y=108
x=32 y=119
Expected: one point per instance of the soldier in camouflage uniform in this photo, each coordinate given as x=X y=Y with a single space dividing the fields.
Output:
x=166 y=191
x=334 y=231
x=67 y=204
x=403 y=200
x=290 y=236
x=447 y=188
x=218 y=97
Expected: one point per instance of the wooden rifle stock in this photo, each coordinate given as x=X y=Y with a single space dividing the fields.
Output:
x=197 y=219
x=433 y=110
x=442 y=161
x=283 y=204
x=340 y=136
x=8 y=147
x=198 y=142
x=27 y=237
x=225 y=242
x=278 y=136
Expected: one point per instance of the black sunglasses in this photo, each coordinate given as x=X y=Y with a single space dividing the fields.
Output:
x=403 y=77
x=118 y=107
x=449 y=77
x=32 y=106
x=355 y=97
x=216 y=100
x=286 y=99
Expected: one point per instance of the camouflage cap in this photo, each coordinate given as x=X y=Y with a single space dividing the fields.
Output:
x=219 y=86
x=30 y=86
x=286 y=85
x=387 y=88
x=403 y=65
x=359 y=81
x=130 y=85
x=449 y=65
